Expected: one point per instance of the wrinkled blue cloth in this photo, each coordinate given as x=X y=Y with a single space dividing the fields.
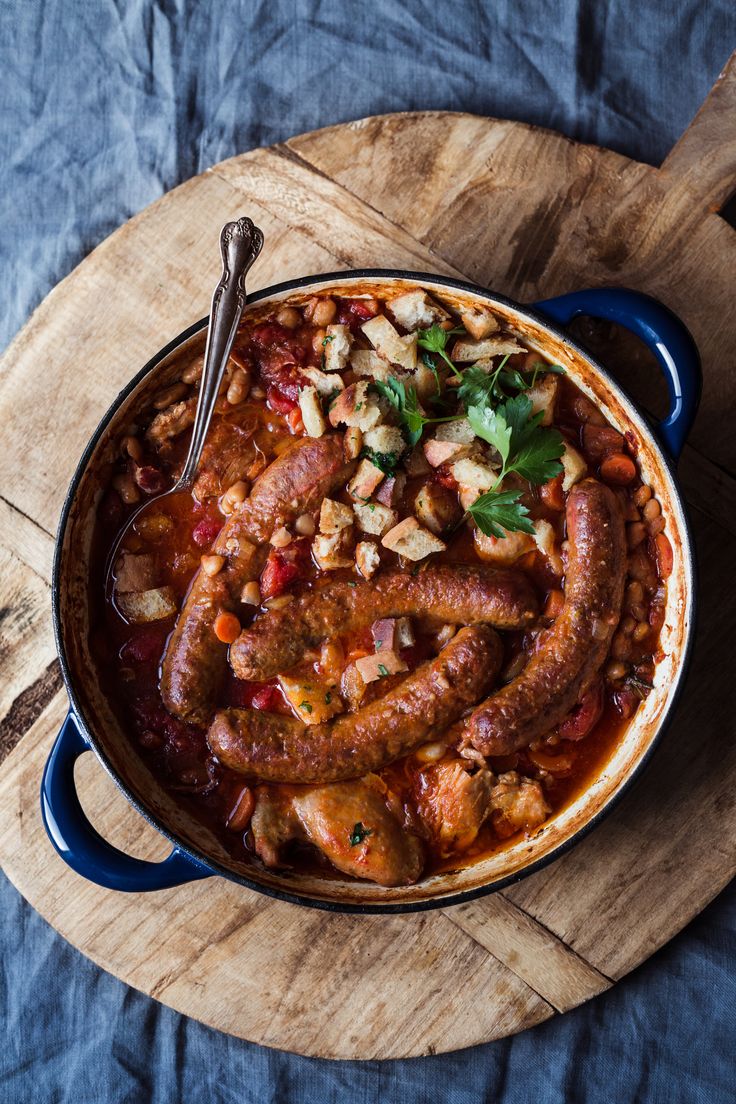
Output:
x=106 y=104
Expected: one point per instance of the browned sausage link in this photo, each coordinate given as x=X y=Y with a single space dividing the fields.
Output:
x=574 y=649
x=195 y=661
x=455 y=593
x=282 y=749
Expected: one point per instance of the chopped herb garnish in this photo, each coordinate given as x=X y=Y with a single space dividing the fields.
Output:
x=359 y=833
x=305 y=706
x=435 y=339
x=639 y=686
x=379 y=645
x=383 y=671
x=329 y=401
x=358 y=406
x=327 y=339
x=328 y=697
x=386 y=462
x=352 y=583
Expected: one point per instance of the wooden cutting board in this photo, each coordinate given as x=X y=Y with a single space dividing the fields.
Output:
x=527 y=213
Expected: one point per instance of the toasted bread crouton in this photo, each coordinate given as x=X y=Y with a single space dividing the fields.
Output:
x=337 y=343
x=405 y=637
x=332 y=550
x=444 y=452
x=365 y=481
x=573 y=466
x=323 y=383
x=367 y=558
x=374 y=518
x=411 y=541
x=134 y=572
x=546 y=541
x=356 y=406
x=313 y=702
x=502 y=550
x=367 y=362
x=391 y=490
x=380 y=665
x=543 y=396
x=416 y=310
x=467 y=495
x=489 y=347
x=389 y=344
x=424 y=381
x=140 y=607
x=312 y=416
x=416 y=463
x=437 y=507
x=386 y=439
x=460 y=432
x=471 y=473
x=334 y=516
x=479 y=322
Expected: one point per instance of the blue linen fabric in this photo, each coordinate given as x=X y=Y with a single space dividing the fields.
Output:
x=104 y=106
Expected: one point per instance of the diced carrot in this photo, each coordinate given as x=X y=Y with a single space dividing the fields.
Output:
x=227 y=627
x=242 y=810
x=295 y=420
x=554 y=604
x=663 y=552
x=618 y=469
x=551 y=493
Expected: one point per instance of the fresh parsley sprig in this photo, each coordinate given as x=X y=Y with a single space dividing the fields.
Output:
x=434 y=340
x=526 y=448
x=406 y=404
x=479 y=387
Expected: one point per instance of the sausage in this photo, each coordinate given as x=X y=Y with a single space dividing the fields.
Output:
x=195 y=661
x=560 y=672
x=282 y=749
x=454 y=593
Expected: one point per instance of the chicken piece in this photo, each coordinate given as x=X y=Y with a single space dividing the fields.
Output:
x=517 y=804
x=171 y=422
x=351 y=825
x=273 y=824
x=453 y=803
x=228 y=453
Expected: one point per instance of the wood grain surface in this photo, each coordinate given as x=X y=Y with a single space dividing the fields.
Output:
x=529 y=214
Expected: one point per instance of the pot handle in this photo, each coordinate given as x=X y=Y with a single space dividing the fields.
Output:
x=662 y=331
x=81 y=846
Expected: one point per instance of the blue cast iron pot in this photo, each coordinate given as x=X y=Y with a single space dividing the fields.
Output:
x=197 y=853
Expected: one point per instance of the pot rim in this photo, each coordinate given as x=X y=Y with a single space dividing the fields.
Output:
x=439 y=901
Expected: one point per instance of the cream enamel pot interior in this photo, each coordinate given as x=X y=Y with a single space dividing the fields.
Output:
x=91 y=724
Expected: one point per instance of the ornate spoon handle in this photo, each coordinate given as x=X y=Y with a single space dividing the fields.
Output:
x=240 y=244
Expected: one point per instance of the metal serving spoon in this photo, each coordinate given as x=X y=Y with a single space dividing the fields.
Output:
x=240 y=244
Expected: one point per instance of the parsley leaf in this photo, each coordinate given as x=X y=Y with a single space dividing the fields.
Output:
x=525 y=447
x=406 y=403
x=435 y=339
x=305 y=706
x=359 y=833
x=498 y=512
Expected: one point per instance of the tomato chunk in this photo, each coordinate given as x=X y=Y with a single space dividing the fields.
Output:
x=584 y=716
x=205 y=531
x=283 y=567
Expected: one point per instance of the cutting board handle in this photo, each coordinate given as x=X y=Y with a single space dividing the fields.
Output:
x=703 y=162
x=665 y=335
x=81 y=846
